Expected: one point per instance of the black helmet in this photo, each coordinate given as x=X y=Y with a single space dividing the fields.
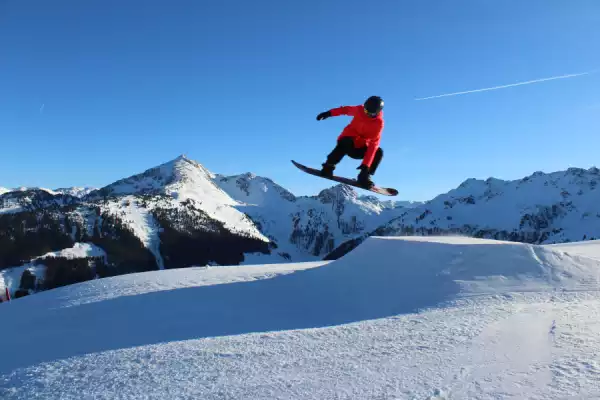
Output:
x=373 y=105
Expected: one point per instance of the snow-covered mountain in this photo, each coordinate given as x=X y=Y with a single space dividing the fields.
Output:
x=428 y=318
x=306 y=226
x=181 y=183
x=179 y=214
x=541 y=208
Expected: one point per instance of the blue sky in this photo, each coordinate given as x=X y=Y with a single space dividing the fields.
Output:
x=93 y=91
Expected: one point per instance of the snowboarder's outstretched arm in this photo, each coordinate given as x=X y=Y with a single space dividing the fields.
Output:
x=343 y=110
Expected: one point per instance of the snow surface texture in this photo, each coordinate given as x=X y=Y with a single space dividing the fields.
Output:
x=551 y=208
x=397 y=318
x=11 y=277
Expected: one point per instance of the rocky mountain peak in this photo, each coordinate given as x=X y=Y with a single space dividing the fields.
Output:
x=338 y=193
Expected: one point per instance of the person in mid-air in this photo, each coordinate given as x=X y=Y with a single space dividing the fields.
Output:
x=359 y=139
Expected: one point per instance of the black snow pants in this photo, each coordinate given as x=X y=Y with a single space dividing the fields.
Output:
x=345 y=147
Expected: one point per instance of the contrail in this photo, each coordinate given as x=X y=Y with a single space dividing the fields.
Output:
x=42 y=108
x=506 y=86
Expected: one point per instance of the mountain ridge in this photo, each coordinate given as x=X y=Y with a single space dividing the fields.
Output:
x=180 y=214
x=541 y=208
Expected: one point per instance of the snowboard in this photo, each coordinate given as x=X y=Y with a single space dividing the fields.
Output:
x=352 y=182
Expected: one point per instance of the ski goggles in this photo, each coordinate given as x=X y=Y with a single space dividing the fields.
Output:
x=370 y=114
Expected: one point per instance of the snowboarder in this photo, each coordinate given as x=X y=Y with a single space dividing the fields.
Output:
x=359 y=139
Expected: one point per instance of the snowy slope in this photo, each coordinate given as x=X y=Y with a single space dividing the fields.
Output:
x=429 y=318
x=590 y=248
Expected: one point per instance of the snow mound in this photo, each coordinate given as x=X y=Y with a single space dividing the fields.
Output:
x=481 y=266
x=398 y=317
x=383 y=277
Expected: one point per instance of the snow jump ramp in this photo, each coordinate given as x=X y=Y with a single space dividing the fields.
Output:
x=383 y=277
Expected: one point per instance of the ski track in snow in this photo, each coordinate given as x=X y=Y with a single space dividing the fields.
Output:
x=430 y=318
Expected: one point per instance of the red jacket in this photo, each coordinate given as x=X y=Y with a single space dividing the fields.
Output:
x=365 y=130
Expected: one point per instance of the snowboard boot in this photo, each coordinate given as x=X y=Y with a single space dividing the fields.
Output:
x=366 y=182
x=364 y=177
x=327 y=170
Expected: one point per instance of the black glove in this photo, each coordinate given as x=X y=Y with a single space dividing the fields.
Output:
x=324 y=115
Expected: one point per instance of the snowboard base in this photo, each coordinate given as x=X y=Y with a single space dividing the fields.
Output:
x=351 y=182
